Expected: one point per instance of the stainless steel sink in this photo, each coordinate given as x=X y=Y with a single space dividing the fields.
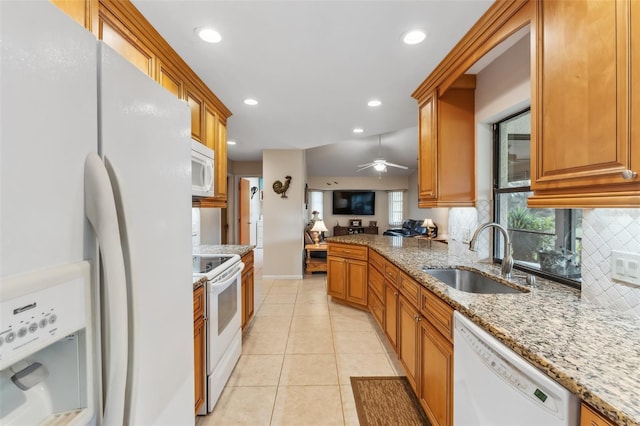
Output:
x=469 y=281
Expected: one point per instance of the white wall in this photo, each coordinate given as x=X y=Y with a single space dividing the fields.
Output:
x=284 y=218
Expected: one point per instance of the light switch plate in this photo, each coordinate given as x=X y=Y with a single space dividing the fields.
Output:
x=624 y=267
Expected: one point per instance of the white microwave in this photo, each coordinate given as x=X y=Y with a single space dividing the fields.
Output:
x=201 y=170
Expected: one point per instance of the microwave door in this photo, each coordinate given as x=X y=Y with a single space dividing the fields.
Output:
x=201 y=175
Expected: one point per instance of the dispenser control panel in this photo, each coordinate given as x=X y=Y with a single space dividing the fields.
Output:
x=40 y=308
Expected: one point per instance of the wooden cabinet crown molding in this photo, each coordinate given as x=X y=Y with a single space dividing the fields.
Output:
x=134 y=20
x=501 y=20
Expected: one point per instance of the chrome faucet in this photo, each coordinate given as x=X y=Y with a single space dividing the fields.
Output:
x=507 y=259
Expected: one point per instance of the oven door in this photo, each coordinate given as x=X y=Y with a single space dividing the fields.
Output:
x=224 y=306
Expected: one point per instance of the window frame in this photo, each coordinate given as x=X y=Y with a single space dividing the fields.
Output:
x=391 y=203
x=568 y=220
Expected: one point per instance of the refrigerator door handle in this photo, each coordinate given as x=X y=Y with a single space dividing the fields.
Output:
x=100 y=209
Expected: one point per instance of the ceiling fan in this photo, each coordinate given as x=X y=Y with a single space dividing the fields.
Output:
x=379 y=164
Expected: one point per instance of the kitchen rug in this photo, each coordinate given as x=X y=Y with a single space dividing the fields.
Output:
x=386 y=401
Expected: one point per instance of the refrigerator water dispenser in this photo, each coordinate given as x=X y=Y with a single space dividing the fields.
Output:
x=46 y=357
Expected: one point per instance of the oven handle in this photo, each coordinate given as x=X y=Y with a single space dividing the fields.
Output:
x=232 y=277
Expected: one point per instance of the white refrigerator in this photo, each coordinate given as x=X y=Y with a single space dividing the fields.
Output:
x=64 y=97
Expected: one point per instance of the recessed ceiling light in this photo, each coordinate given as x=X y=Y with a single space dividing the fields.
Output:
x=208 y=34
x=358 y=130
x=250 y=101
x=414 y=37
x=231 y=142
x=374 y=103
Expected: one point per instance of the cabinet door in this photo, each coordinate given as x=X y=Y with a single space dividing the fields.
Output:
x=436 y=375
x=336 y=277
x=199 y=361
x=391 y=314
x=119 y=38
x=581 y=103
x=169 y=79
x=357 y=282
x=197 y=108
x=408 y=319
x=220 y=149
x=428 y=151
x=248 y=299
x=84 y=12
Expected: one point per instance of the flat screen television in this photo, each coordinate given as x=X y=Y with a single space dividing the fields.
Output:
x=354 y=202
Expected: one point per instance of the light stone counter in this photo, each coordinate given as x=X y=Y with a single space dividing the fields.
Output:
x=592 y=351
x=240 y=250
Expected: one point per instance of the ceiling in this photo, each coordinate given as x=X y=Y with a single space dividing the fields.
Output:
x=313 y=66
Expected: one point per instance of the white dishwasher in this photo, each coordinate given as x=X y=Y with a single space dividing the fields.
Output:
x=493 y=386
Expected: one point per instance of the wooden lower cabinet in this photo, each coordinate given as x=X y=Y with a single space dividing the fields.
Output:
x=408 y=319
x=199 y=341
x=391 y=297
x=347 y=273
x=248 y=290
x=436 y=375
x=590 y=417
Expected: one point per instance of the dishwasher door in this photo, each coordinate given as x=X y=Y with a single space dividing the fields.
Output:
x=494 y=386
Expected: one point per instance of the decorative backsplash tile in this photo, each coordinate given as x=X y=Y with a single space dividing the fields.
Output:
x=605 y=230
x=462 y=223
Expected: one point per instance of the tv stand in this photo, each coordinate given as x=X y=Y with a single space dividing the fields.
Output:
x=353 y=230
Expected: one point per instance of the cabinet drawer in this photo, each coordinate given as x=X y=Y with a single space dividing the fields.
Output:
x=198 y=303
x=589 y=417
x=376 y=281
x=247 y=259
x=377 y=260
x=439 y=314
x=410 y=289
x=348 y=251
x=377 y=309
x=391 y=273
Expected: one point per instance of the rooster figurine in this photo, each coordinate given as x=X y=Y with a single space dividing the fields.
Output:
x=280 y=188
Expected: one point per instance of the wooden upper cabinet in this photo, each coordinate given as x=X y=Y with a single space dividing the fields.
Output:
x=168 y=78
x=197 y=109
x=84 y=12
x=220 y=177
x=446 y=163
x=584 y=110
x=428 y=152
x=117 y=36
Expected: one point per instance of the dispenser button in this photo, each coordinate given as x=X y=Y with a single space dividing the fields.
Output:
x=11 y=337
x=33 y=327
x=53 y=318
x=22 y=332
x=43 y=323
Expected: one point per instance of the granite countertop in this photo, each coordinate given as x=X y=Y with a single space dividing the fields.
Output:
x=240 y=250
x=594 y=352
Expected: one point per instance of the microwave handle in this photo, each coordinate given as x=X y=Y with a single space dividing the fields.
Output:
x=208 y=176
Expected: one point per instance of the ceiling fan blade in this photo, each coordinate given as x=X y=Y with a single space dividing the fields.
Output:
x=365 y=167
x=395 y=165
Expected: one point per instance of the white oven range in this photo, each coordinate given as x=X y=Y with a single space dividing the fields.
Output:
x=223 y=323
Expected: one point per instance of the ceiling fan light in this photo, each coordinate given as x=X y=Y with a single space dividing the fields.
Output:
x=380 y=167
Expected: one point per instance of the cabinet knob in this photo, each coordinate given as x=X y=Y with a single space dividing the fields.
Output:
x=629 y=174
x=395 y=293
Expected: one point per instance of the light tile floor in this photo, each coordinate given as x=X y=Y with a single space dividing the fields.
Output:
x=297 y=357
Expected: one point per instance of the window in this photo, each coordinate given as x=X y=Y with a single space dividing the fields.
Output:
x=316 y=203
x=396 y=207
x=548 y=241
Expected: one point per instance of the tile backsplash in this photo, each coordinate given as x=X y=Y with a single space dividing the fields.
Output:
x=195 y=227
x=605 y=230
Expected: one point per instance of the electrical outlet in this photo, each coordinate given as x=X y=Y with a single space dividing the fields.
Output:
x=625 y=267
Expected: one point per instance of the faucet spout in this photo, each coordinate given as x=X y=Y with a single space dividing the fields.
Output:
x=507 y=259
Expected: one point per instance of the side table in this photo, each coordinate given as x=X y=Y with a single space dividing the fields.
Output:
x=314 y=264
